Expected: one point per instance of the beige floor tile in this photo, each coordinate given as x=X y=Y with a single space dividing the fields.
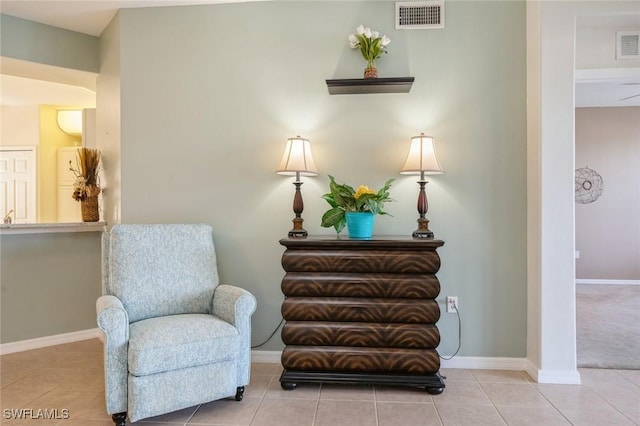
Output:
x=303 y=391
x=457 y=374
x=402 y=394
x=571 y=396
x=345 y=413
x=620 y=397
x=285 y=412
x=72 y=422
x=179 y=417
x=406 y=414
x=514 y=395
x=501 y=376
x=347 y=392
x=532 y=416
x=467 y=415
x=265 y=369
x=46 y=379
x=591 y=417
x=258 y=386
x=632 y=375
x=89 y=345
x=12 y=397
x=226 y=412
x=11 y=375
x=462 y=393
x=62 y=399
x=94 y=408
x=86 y=379
x=600 y=378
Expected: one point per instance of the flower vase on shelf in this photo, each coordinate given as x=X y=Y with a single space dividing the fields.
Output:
x=360 y=224
x=371 y=46
x=370 y=72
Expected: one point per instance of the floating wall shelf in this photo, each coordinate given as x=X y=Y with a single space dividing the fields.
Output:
x=354 y=86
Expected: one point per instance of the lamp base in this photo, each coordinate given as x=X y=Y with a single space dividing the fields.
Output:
x=427 y=235
x=298 y=231
x=423 y=229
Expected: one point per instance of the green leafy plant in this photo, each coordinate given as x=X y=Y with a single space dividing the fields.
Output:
x=343 y=198
x=371 y=45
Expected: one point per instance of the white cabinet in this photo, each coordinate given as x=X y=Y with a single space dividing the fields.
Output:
x=68 y=208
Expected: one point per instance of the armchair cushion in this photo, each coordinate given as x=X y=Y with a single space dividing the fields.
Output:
x=157 y=345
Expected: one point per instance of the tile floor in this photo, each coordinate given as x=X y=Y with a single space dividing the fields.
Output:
x=70 y=377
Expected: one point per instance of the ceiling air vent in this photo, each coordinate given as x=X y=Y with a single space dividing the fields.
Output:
x=628 y=45
x=419 y=15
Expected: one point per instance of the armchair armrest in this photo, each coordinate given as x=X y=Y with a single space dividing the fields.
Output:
x=235 y=306
x=114 y=322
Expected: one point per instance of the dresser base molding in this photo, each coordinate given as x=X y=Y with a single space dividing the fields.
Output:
x=432 y=383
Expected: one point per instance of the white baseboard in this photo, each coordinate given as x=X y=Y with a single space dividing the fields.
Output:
x=568 y=377
x=41 y=342
x=607 y=282
x=485 y=363
x=269 y=357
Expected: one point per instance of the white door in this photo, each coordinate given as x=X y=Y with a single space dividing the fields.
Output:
x=18 y=183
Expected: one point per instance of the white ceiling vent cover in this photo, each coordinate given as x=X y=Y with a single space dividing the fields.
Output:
x=628 y=45
x=419 y=15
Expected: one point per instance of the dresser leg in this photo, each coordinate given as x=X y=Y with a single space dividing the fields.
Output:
x=288 y=385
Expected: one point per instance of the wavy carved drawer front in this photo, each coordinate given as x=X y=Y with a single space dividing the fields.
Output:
x=361 y=311
x=323 y=284
x=357 y=309
x=364 y=261
x=388 y=360
x=312 y=333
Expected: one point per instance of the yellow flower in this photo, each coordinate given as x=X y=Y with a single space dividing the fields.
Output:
x=364 y=189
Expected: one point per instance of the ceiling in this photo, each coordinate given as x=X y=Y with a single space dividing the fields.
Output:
x=92 y=17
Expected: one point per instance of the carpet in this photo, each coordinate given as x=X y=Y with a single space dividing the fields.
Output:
x=608 y=326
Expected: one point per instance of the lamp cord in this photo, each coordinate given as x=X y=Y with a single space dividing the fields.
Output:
x=269 y=338
x=459 y=335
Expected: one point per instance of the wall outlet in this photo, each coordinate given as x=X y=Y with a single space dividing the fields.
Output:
x=452 y=304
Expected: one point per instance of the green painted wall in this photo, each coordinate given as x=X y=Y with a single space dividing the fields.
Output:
x=49 y=284
x=35 y=42
x=209 y=95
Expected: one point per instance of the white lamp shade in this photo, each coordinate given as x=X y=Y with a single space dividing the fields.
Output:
x=297 y=158
x=70 y=122
x=421 y=157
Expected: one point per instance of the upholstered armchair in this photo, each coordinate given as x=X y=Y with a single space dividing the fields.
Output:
x=174 y=337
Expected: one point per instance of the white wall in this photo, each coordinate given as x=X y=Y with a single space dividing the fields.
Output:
x=209 y=95
x=608 y=230
x=551 y=27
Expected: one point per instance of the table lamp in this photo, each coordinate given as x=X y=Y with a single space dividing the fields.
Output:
x=422 y=160
x=297 y=160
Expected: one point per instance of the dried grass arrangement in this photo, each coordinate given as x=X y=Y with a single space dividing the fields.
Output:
x=87 y=171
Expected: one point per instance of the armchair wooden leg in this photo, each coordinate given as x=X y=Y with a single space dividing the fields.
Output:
x=239 y=393
x=119 y=418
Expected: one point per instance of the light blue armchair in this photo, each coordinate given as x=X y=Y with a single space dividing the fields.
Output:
x=174 y=337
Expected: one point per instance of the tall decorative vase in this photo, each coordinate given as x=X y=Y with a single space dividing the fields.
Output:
x=360 y=224
x=89 y=209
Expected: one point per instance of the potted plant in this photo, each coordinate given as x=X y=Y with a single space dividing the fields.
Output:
x=86 y=187
x=354 y=208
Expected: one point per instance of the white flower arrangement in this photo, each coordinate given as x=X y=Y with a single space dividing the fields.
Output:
x=371 y=45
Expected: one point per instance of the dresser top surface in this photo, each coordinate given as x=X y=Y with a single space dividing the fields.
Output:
x=377 y=241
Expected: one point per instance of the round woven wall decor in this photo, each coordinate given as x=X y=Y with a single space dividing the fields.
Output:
x=589 y=185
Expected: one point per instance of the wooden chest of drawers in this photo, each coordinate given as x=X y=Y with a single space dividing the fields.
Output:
x=361 y=311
